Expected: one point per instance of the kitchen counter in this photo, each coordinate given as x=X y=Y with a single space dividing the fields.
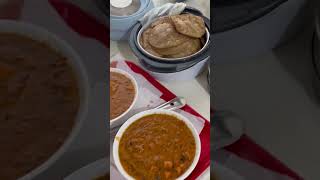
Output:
x=273 y=93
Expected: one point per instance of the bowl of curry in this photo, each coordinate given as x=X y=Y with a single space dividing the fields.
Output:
x=123 y=95
x=156 y=144
x=44 y=94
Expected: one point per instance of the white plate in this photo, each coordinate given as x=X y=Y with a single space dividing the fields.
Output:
x=91 y=171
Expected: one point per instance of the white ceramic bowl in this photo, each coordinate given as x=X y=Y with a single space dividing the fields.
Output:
x=149 y=112
x=40 y=34
x=124 y=116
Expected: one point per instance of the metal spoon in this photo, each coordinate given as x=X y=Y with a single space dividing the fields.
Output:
x=173 y=104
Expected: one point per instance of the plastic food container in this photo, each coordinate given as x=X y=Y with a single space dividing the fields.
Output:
x=121 y=25
x=172 y=69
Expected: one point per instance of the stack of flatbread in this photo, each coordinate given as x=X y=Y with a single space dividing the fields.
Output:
x=174 y=36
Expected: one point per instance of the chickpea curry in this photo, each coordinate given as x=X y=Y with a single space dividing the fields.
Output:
x=157 y=146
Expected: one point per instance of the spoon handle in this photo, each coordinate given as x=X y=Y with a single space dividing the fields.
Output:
x=173 y=104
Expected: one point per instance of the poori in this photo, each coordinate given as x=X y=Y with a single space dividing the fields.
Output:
x=189 y=25
x=191 y=46
x=165 y=35
x=161 y=20
x=144 y=41
x=174 y=36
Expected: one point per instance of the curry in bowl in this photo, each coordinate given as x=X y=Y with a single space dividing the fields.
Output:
x=122 y=94
x=157 y=146
x=39 y=101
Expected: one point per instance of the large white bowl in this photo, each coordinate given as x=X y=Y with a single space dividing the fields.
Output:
x=40 y=34
x=125 y=115
x=149 y=112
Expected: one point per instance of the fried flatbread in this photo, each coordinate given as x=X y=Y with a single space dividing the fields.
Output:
x=185 y=49
x=174 y=36
x=165 y=36
x=161 y=20
x=144 y=41
x=189 y=25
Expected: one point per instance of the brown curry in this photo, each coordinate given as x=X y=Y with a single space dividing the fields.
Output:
x=157 y=147
x=39 y=101
x=122 y=93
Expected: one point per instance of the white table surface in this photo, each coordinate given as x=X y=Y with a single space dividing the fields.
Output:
x=273 y=94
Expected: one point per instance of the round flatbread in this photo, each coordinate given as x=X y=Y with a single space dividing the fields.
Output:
x=165 y=36
x=189 y=25
x=144 y=41
x=161 y=20
x=186 y=49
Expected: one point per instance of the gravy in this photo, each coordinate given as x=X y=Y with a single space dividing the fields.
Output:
x=157 y=146
x=122 y=93
x=39 y=101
